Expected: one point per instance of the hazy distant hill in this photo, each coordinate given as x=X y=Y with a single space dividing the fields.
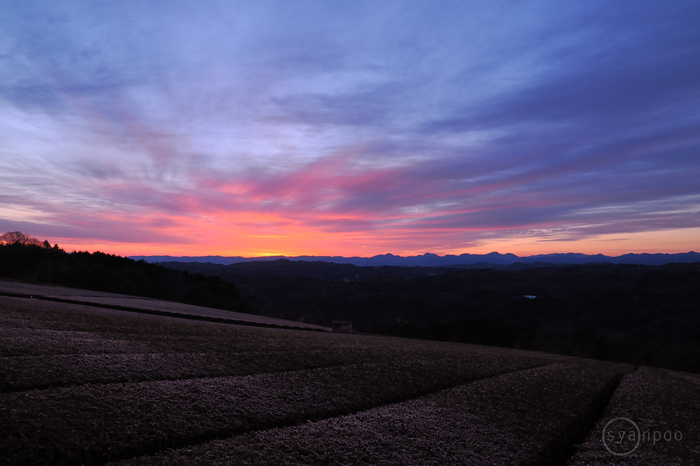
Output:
x=433 y=260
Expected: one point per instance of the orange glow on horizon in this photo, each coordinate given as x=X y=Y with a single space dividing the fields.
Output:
x=296 y=240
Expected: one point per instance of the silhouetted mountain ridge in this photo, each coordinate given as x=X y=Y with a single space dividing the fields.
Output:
x=433 y=260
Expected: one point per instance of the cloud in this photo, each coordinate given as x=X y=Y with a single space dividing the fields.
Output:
x=394 y=126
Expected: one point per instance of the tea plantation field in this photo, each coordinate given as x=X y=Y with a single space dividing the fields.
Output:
x=90 y=385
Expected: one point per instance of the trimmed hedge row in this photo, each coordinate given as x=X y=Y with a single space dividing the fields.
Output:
x=666 y=409
x=95 y=423
x=523 y=417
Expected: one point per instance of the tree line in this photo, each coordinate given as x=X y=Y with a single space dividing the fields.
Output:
x=26 y=258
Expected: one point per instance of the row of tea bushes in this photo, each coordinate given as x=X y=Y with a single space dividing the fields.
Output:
x=31 y=327
x=41 y=321
x=523 y=417
x=664 y=407
x=34 y=342
x=42 y=346
x=38 y=372
x=96 y=423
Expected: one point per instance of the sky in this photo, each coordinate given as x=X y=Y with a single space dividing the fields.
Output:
x=355 y=128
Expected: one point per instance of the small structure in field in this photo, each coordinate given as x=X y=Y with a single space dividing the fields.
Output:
x=341 y=326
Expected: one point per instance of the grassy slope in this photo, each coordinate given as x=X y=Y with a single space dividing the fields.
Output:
x=88 y=385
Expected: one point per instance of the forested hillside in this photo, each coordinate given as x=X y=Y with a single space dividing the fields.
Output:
x=631 y=313
x=27 y=259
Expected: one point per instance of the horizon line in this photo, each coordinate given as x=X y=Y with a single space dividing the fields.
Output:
x=272 y=256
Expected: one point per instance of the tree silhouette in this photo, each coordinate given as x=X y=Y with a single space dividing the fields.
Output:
x=17 y=237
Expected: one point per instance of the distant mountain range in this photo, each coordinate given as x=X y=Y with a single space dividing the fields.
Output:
x=433 y=260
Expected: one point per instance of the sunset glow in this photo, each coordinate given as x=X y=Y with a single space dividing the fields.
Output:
x=351 y=128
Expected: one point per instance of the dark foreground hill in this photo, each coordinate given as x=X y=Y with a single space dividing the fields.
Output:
x=85 y=385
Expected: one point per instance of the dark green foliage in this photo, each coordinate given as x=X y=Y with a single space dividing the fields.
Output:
x=629 y=313
x=482 y=331
x=613 y=300
x=41 y=263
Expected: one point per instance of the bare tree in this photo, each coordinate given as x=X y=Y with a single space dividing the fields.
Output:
x=17 y=237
